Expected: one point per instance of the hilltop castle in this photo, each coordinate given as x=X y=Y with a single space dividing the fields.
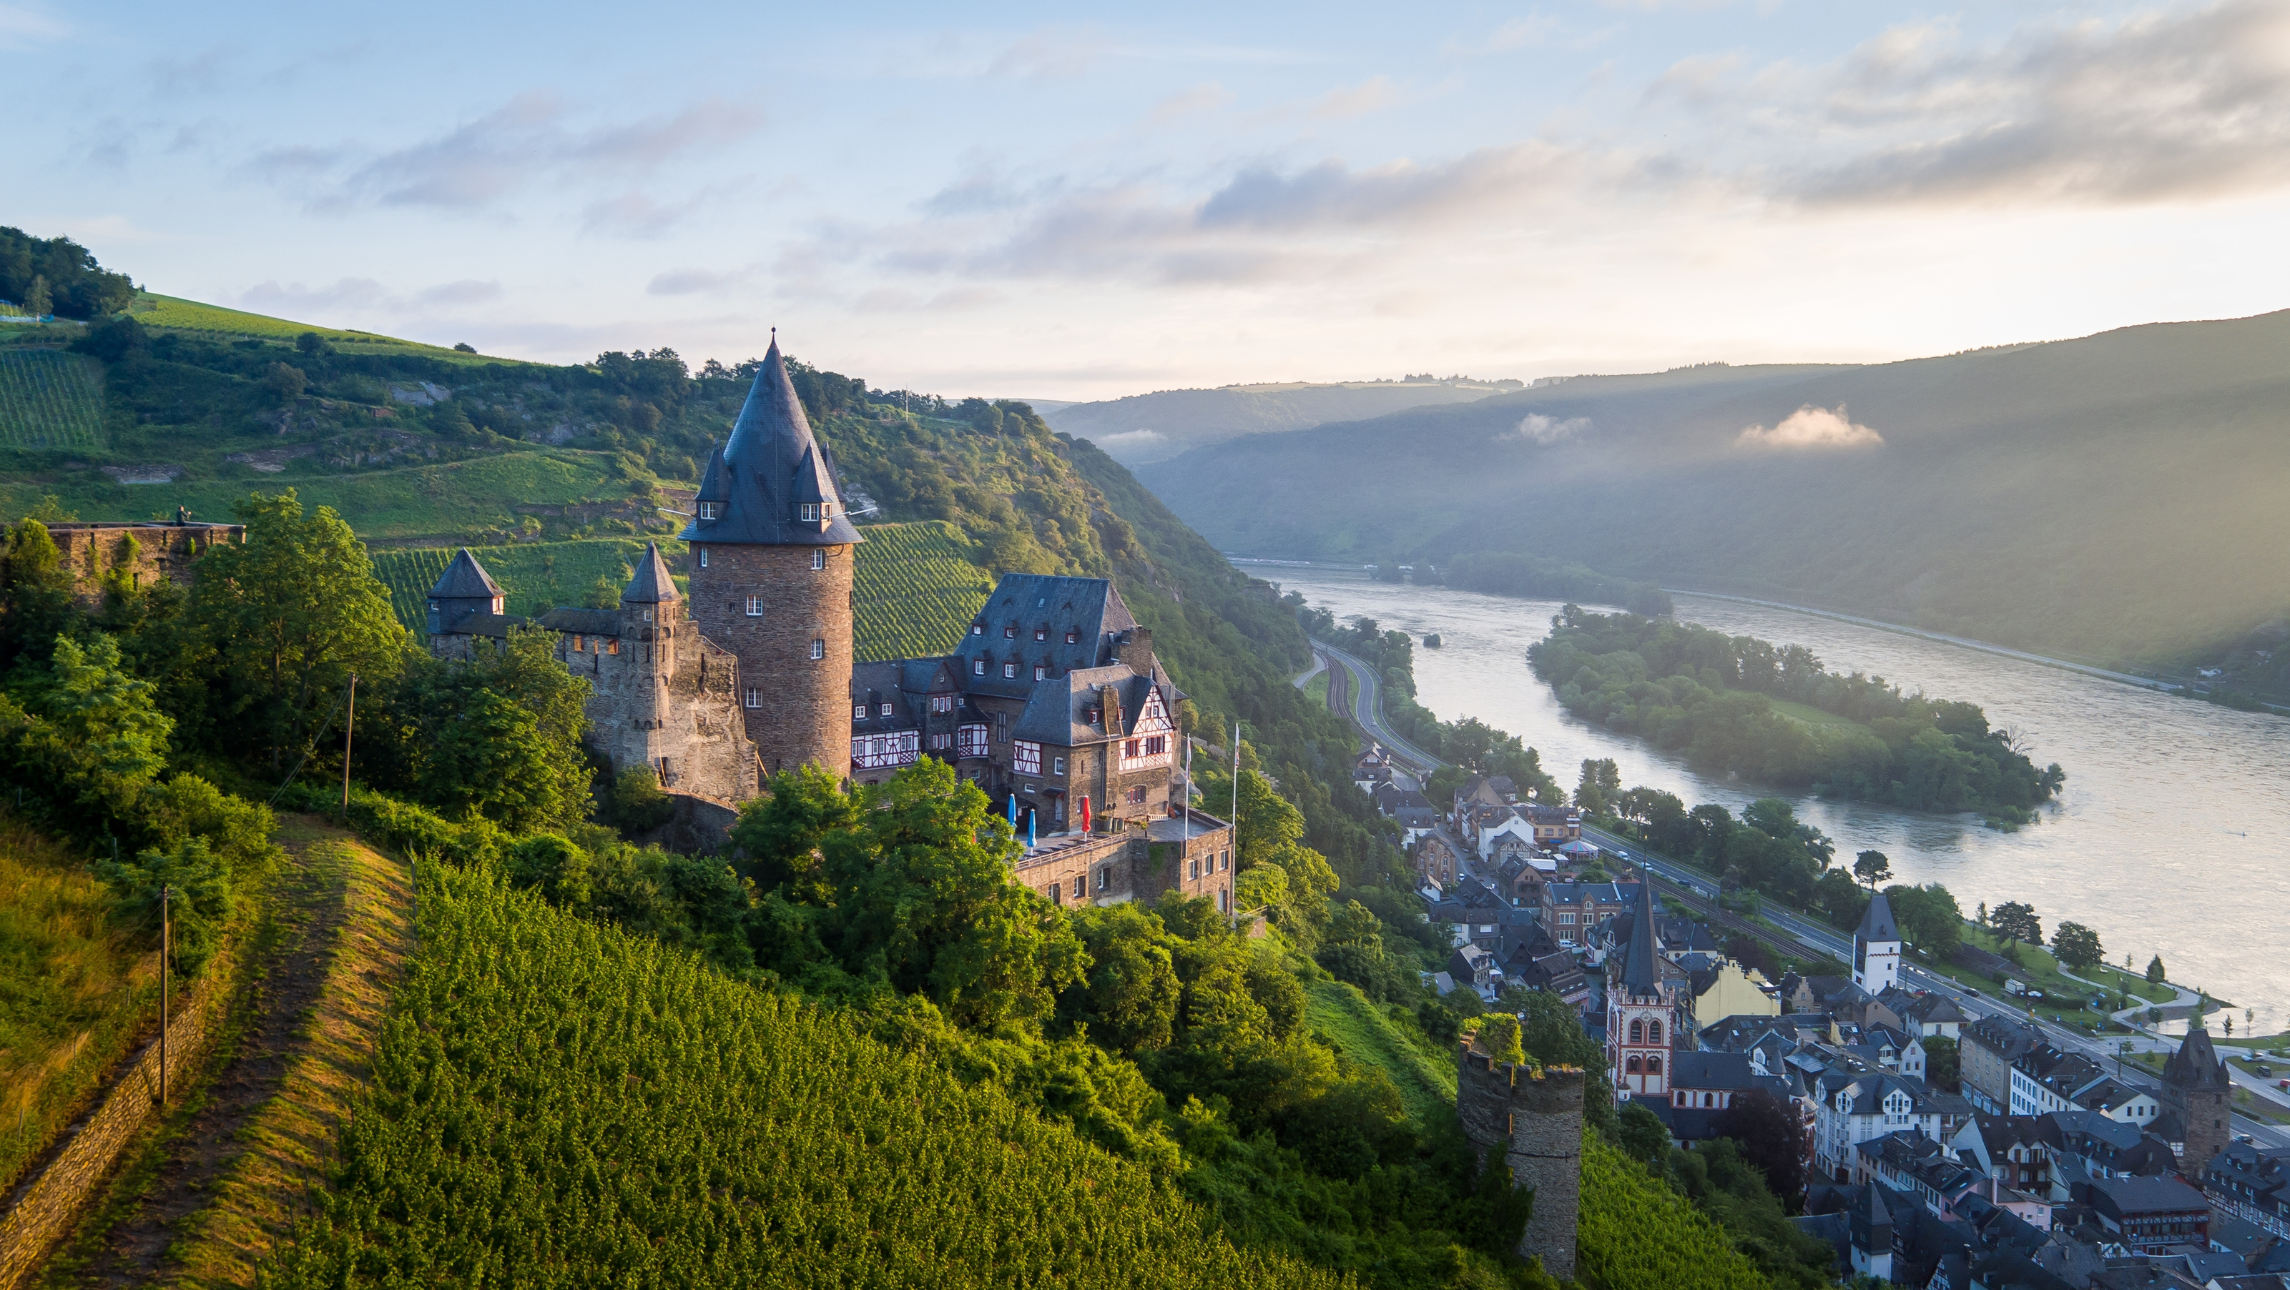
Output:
x=1053 y=704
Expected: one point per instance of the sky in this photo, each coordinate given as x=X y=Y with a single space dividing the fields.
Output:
x=1073 y=202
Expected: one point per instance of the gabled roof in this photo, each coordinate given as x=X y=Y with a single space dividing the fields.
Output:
x=1057 y=711
x=465 y=579
x=652 y=584
x=771 y=464
x=1876 y=923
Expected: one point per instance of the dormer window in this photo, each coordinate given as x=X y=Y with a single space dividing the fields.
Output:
x=977 y=629
x=883 y=710
x=858 y=712
x=1073 y=638
x=1010 y=671
x=1041 y=673
x=710 y=510
x=1041 y=633
x=498 y=603
x=1009 y=633
x=816 y=512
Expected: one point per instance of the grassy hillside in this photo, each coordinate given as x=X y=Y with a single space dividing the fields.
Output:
x=74 y=990
x=1637 y=1232
x=914 y=590
x=570 y=1104
x=2112 y=498
x=1151 y=427
x=174 y=314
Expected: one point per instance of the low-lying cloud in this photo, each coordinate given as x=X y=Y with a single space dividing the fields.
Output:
x=1811 y=427
x=1537 y=428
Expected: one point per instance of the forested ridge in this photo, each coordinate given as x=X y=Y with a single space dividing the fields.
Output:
x=1712 y=697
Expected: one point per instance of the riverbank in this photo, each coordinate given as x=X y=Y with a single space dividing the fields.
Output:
x=2164 y=796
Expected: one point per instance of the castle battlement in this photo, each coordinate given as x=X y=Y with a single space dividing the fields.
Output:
x=1533 y=1113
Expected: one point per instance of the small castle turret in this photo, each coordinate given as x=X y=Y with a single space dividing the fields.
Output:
x=1533 y=1115
x=771 y=575
x=462 y=590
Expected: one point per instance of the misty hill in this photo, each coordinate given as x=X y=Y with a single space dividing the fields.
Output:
x=1151 y=427
x=2116 y=498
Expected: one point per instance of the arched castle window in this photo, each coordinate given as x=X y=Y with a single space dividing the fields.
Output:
x=1653 y=1032
x=1637 y=1033
x=1653 y=1066
x=1631 y=1066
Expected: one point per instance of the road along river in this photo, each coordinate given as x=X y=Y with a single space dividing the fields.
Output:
x=2172 y=835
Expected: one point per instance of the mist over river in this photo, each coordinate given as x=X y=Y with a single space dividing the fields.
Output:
x=2172 y=834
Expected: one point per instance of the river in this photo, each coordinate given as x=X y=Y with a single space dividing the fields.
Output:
x=2170 y=836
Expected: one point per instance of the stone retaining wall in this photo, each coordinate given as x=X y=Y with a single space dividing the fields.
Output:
x=41 y=1211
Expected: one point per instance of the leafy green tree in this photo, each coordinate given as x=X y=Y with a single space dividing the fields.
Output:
x=37 y=302
x=1772 y=1137
x=35 y=593
x=186 y=807
x=2016 y=921
x=2155 y=971
x=88 y=737
x=1928 y=917
x=635 y=802
x=1642 y=1136
x=198 y=902
x=2077 y=946
x=285 y=617
x=1872 y=867
x=554 y=865
x=1130 y=998
x=498 y=733
x=925 y=903
x=781 y=833
x=285 y=382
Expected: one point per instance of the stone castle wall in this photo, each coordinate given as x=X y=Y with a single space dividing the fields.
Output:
x=146 y=552
x=670 y=698
x=1535 y=1118
x=41 y=1212
x=804 y=714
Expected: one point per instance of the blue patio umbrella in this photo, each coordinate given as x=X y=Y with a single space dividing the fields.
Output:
x=1029 y=828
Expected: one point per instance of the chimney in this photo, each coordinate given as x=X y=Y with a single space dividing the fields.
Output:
x=1135 y=648
x=1110 y=697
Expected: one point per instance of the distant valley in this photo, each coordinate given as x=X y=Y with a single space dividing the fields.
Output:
x=2115 y=498
x=1142 y=428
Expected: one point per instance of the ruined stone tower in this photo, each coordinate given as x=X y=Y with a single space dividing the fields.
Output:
x=1535 y=1117
x=771 y=565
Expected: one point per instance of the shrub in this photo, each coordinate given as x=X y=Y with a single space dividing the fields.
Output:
x=198 y=903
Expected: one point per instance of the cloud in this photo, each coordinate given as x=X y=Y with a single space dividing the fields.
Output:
x=1122 y=441
x=22 y=27
x=1396 y=193
x=468 y=291
x=1205 y=97
x=1053 y=53
x=1371 y=95
x=273 y=297
x=687 y=282
x=2158 y=107
x=532 y=138
x=1537 y=428
x=1811 y=427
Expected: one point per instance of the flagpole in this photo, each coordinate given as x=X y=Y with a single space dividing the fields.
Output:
x=1236 y=797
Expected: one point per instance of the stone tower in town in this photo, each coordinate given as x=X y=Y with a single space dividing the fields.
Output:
x=771 y=567
x=1533 y=1116
x=1876 y=948
x=2197 y=1089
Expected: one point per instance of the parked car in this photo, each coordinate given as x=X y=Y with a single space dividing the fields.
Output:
x=2282 y=1083
x=2263 y=1069
x=2034 y=994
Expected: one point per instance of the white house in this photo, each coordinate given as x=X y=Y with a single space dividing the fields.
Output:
x=1855 y=1107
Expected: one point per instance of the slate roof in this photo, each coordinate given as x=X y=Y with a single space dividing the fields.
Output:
x=2196 y=1066
x=1023 y=603
x=1700 y=1070
x=465 y=579
x=652 y=584
x=588 y=622
x=483 y=623
x=2002 y=1035
x=1057 y=711
x=1641 y=974
x=770 y=465
x=1876 y=923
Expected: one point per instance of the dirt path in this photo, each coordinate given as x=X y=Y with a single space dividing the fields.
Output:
x=202 y=1205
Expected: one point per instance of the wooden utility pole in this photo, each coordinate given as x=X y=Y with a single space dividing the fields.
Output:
x=347 y=723
x=164 y=949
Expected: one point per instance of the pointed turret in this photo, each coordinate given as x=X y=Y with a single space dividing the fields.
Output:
x=463 y=589
x=1876 y=923
x=652 y=584
x=771 y=484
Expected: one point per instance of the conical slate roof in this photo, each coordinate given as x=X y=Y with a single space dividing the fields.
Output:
x=1641 y=972
x=771 y=465
x=465 y=579
x=2196 y=1065
x=653 y=584
x=1877 y=924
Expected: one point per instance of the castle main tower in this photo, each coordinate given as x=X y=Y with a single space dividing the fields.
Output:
x=771 y=566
